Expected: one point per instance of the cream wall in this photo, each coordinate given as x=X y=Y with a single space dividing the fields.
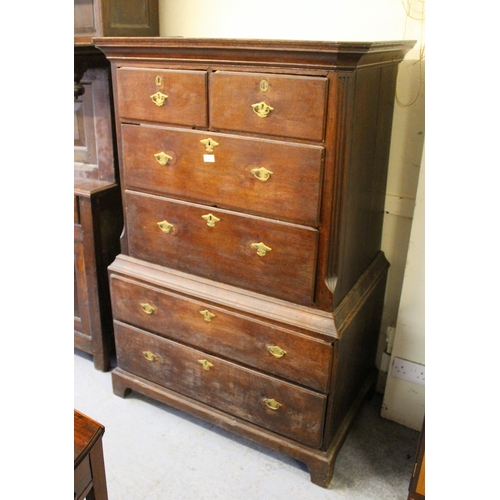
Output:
x=404 y=401
x=348 y=20
x=314 y=20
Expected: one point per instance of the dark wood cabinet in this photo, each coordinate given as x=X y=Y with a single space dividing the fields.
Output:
x=98 y=216
x=98 y=212
x=115 y=18
x=98 y=223
x=250 y=283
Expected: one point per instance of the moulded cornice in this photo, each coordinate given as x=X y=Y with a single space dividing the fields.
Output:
x=284 y=53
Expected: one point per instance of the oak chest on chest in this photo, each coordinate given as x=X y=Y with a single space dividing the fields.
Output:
x=250 y=284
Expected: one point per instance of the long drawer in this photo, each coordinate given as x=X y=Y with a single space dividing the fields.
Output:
x=275 y=350
x=271 y=178
x=258 y=254
x=167 y=96
x=271 y=104
x=276 y=405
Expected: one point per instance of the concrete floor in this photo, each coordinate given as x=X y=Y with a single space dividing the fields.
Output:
x=153 y=452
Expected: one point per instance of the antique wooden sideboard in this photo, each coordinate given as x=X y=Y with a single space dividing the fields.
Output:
x=250 y=284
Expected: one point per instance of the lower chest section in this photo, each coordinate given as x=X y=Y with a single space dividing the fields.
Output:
x=264 y=373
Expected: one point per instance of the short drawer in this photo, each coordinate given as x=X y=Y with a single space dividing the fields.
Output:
x=271 y=178
x=257 y=398
x=265 y=256
x=277 y=351
x=284 y=105
x=167 y=96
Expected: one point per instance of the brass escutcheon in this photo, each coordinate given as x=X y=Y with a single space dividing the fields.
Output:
x=262 y=109
x=162 y=158
x=159 y=81
x=272 y=404
x=261 y=173
x=264 y=86
x=209 y=144
x=276 y=351
x=148 y=308
x=211 y=219
x=165 y=226
x=159 y=98
x=149 y=355
x=261 y=248
x=207 y=315
x=206 y=364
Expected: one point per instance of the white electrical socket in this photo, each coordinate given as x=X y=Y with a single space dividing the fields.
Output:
x=407 y=370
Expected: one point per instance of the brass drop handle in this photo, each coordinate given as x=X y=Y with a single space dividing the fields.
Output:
x=276 y=351
x=207 y=315
x=261 y=109
x=261 y=173
x=209 y=144
x=165 y=226
x=205 y=364
x=148 y=308
x=162 y=158
x=149 y=355
x=272 y=404
x=158 y=98
x=211 y=219
x=261 y=248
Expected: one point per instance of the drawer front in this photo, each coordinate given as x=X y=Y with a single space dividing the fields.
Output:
x=226 y=386
x=215 y=330
x=285 y=105
x=140 y=94
x=258 y=254
x=270 y=178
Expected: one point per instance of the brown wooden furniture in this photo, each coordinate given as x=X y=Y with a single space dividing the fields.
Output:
x=90 y=475
x=115 y=18
x=98 y=213
x=98 y=219
x=417 y=483
x=250 y=285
